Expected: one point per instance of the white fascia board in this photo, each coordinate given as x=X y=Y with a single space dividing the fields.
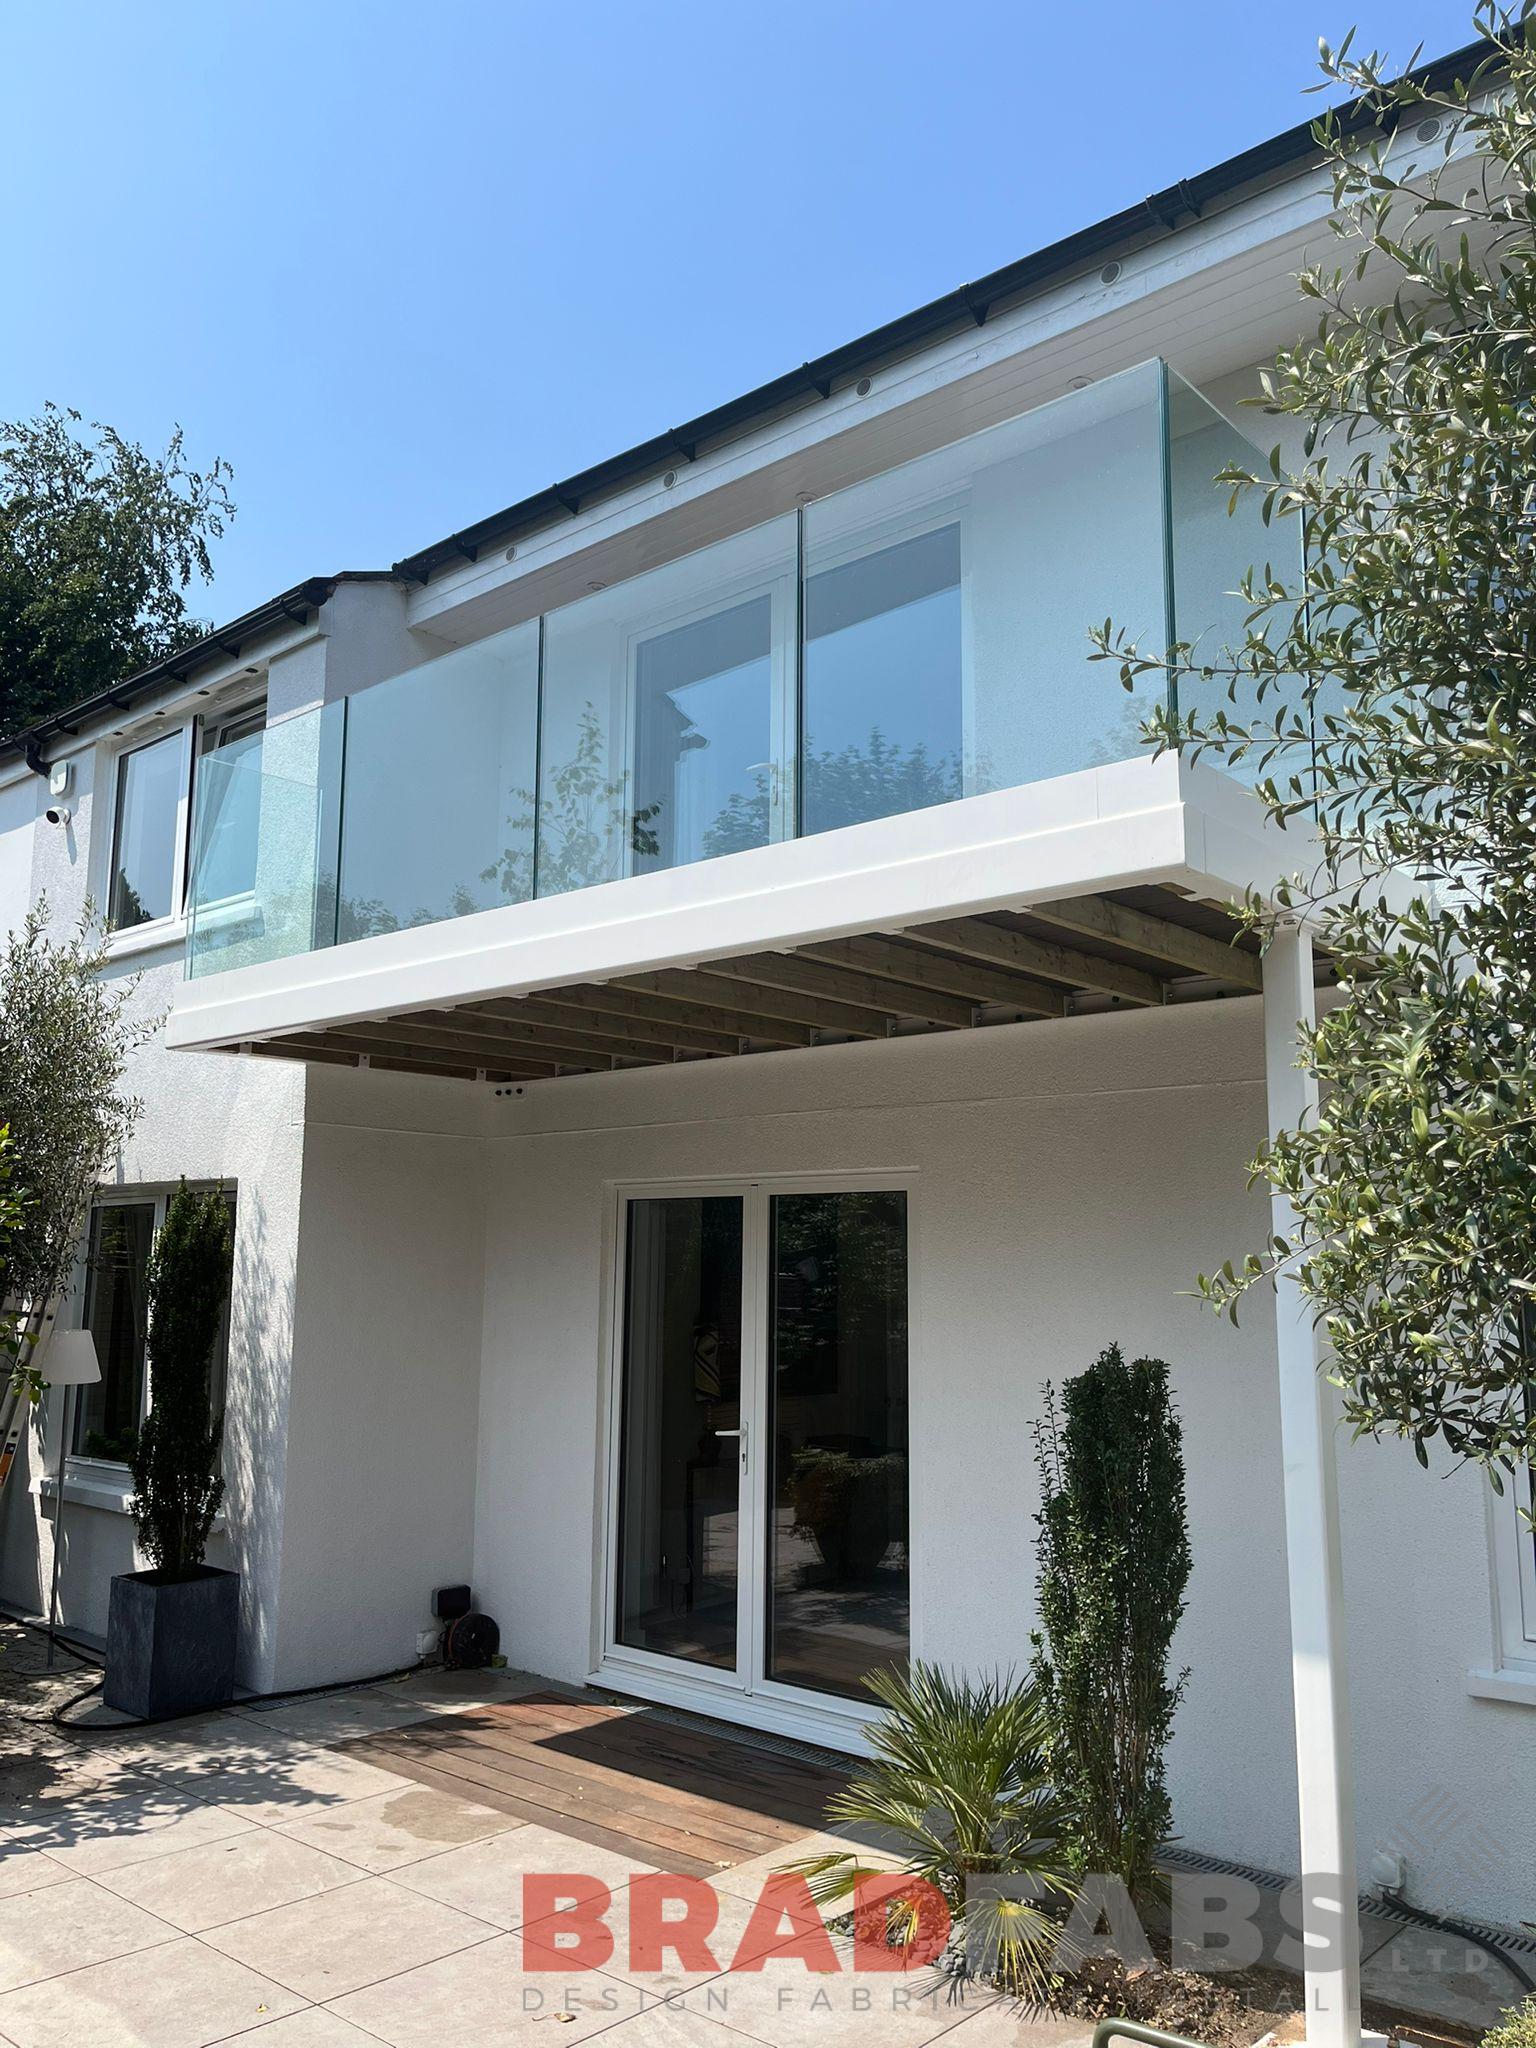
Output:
x=1275 y=217
x=1131 y=823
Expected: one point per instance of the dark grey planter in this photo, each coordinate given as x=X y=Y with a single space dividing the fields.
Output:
x=171 y=1642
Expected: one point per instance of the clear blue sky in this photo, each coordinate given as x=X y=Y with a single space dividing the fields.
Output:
x=402 y=263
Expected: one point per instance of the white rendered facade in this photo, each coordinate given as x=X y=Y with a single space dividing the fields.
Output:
x=426 y=1308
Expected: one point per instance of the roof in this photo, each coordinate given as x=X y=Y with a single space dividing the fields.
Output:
x=1154 y=218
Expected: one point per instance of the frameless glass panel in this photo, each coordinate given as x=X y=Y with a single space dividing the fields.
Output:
x=440 y=772
x=703 y=700
x=837 y=1518
x=149 y=788
x=666 y=710
x=107 y=1414
x=681 y=1417
x=291 y=785
x=883 y=703
x=1214 y=544
x=229 y=819
x=948 y=604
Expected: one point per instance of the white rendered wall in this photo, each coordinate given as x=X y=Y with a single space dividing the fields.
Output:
x=379 y=1500
x=1071 y=1180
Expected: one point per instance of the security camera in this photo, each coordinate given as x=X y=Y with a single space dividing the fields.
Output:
x=57 y=814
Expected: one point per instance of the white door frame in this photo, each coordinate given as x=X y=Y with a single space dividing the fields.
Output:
x=746 y=1694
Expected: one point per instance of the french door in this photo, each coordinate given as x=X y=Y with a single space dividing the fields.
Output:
x=758 y=1476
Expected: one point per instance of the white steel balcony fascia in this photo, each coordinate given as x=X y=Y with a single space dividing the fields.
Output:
x=1128 y=824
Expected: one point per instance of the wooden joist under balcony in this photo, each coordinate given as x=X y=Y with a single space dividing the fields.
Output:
x=1134 y=949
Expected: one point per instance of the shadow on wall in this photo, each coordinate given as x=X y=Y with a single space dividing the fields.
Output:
x=255 y=1433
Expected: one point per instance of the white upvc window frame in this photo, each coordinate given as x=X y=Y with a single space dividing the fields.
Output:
x=212 y=731
x=193 y=730
x=1513 y=1543
x=154 y=931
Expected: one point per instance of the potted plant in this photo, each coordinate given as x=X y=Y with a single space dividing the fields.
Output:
x=843 y=1502
x=171 y=1628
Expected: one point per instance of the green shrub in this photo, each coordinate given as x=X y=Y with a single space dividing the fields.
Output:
x=960 y=1790
x=1113 y=1564
x=175 y=1461
x=1517 y=2029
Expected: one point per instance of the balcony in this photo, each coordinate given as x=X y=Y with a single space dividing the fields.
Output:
x=894 y=676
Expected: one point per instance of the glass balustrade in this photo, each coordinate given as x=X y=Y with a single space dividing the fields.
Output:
x=918 y=637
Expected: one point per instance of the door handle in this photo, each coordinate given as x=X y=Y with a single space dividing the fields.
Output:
x=742 y=1435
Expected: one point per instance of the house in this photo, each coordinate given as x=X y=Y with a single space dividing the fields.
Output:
x=703 y=1004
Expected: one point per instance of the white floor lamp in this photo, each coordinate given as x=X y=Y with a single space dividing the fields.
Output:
x=71 y=1362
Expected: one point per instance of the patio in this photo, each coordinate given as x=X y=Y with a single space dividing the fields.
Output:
x=347 y=1869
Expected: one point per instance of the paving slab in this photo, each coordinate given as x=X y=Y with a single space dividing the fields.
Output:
x=323 y=1947
x=28 y=1870
x=316 y=2027
x=110 y=1829
x=67 y=1925
x=399 y=1827
x=179 y=1995
x=457 y=1692
x=786 y=2006
x=300 y=1783
x=670 y=2026
x=709 y=1952
x=334 y=1717
x=194 y=1889
x=484 y=1997
x=1007 y=2024
x=486 y=1879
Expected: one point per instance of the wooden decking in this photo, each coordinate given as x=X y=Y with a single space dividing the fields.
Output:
x=679 y=1798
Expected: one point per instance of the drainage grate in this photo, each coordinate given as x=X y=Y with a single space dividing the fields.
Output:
x=1503 y=1938
x=1218 y=1866
x=1508 y=1939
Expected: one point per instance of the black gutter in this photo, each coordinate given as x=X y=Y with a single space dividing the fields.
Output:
x=223 y=643
x=969 y=305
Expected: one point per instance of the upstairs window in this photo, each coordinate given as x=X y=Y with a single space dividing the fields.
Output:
x=146 y=832
x=151 y=784
x=229 y=812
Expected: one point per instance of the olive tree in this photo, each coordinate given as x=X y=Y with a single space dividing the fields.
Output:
x=1385 y=694
x=65 y=1037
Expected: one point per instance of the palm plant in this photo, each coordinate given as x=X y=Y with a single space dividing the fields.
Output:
x=959 y=1786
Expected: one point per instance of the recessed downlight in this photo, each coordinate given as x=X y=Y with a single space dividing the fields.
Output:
x=1427 y=130
x=1110 y=272
x=861 y=389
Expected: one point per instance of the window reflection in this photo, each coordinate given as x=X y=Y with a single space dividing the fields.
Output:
x=149 y=788
x=839 y=1593
x=679 y=1507
x=702 y=737
x=883 y=697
